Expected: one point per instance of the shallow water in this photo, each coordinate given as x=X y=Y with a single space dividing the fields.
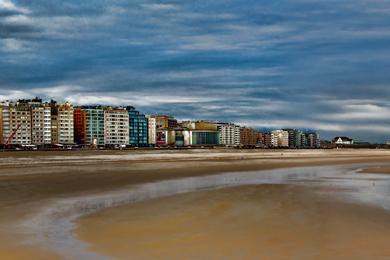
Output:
x=53 y=226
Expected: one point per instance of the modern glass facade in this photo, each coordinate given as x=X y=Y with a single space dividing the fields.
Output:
x=138 y=128
x=205 y=138
x=94 y=125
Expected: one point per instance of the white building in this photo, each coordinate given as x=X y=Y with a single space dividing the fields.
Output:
x=229 y=134
x=4 y=122
x=116 y=127
x=152 y=127
x=279 y=138
x=40 y=124
x=343 y=140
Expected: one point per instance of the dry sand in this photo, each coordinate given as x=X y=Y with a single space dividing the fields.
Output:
x=30 y=180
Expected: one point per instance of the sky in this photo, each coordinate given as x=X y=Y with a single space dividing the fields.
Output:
x=306 y=64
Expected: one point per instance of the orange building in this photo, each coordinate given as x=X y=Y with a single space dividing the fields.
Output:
x=80 y=126
x=248 y=136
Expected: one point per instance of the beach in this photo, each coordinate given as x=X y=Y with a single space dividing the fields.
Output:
x=144 y=204
x=251 y=222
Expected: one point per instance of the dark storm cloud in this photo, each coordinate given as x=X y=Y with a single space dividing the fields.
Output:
x=306 y=64
x=19 y=31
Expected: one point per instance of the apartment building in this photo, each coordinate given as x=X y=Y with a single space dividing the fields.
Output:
x=16 y=123
x=1 y=124
x=116 y=126
x=40 y=123
x=54 y=128
x=151 y=130
x=138 y=128
x=267 y=139
x=248 y=136
x=313 y=140
x=229 y=134
x=94 y=125
x=279 y=138
x=80 y=125
x=65 y=123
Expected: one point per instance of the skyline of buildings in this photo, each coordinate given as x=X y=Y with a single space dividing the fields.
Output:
x=35 y=122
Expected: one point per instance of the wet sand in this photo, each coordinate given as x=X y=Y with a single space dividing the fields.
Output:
x=251 y=222
x=31 y=181
x=378 y=170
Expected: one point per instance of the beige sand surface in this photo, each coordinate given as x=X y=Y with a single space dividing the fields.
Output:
x=28 y=180
x=252 y=222
x=380 y=170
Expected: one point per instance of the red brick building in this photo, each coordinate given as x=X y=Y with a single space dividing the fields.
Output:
x=80 y=126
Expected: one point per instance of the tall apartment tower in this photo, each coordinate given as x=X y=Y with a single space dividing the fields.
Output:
x=94 y=125
x=248 y=136
x=1 y=124
x=116 y=126
x=65 y=123
x=229 y=134
x=152 y=128
x=62 y=128
x=16 y=123
x=279 y=138
x=40 y=123
x=80 y=125
x=4 y=122
x=138 y=128
x=313 y=140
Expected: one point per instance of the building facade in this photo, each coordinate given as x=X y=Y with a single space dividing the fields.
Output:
x=248 y=136
x=204 y=137
x=138 y=128
x=80 y=125
x=279 y=138
x=16 y=123
x=54 y=129
x=229 y=134
x=343 y=140
x=151 y=130
x=65 y=123
x=1 y=125
x=40 y=123
x=164 y=121
x=116 y=126
x=313 y=140
x=267 y=139
x=165 y=137
x=202 y=133
x=94 y=125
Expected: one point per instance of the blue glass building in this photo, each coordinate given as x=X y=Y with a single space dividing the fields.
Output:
x=138 y=128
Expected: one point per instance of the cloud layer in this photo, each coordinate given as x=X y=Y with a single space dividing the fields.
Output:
x=306 y=64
